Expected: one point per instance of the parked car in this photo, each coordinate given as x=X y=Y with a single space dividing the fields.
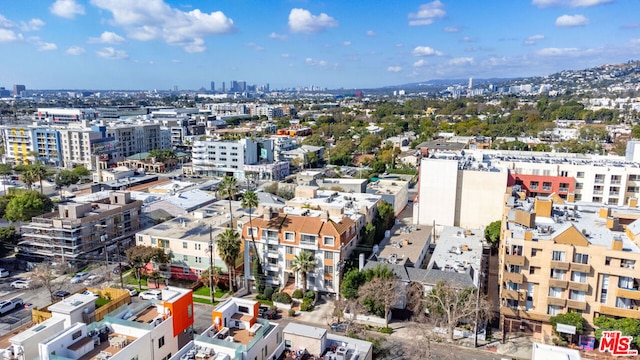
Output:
x=21 y=284
x=262 y=310
x=151 y=294
x=340 y=327
x=270 y=314
x=92 y=280
x=61 y=294
x=8 y=305
x=121 y=268
x=132 y=292
x=4 y=272
x=79 y=277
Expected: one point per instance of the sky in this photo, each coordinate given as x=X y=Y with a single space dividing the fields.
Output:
x=159 y=44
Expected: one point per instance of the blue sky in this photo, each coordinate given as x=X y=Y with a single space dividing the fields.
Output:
x=156 y=44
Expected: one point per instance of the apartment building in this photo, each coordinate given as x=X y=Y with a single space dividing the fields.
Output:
x=65 y=115
x=394 y=191
x=77 y=144
x=18 y=144
x=558 y=256
x=78 y=233
x=134 y=137
x=187 y=239
x=237 y=332
x=279 y=237
x=152 y=329
x=221 y=158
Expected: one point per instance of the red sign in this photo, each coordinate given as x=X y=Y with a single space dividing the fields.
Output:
x=616 y=344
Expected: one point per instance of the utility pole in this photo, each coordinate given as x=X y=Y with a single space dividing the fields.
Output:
x=120 y=263
x=211 y=290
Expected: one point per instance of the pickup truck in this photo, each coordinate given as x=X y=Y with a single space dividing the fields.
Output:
x=8 y=305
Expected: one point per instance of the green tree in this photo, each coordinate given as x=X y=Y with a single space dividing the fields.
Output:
x=250 y=201
x=5 y=171
x=138 y=257
x=81 y=172
x=28 y=178
x=7 y=239
x=212 y=280
x=384 y=220
x=27 y=204
x=571 y=318
x=492 y=233
x=228 y=187
x=258 y=275
x=380 y=295
x=314 y=140
x=66 y=178
x=38 y=172
x=627 y=326
x=369 y=142
x=229 y=247
x=303 y=263
x=351 y=282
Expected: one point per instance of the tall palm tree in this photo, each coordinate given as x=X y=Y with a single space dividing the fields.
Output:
x=229 y=245
x=303 y=263
x=250 y=202
x=5 y=171
x=28 y=179
x=228 y=187
x=38 y=172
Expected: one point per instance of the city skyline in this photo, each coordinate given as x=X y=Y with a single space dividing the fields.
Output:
x=159 y=44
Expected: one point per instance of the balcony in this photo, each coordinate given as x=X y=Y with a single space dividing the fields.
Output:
x=598 y=192
x=585 y=268
x=559 y=265
x=513 y=294
x=558 y=283
x=563 y=189
x=507 y=311
x=514 y=260
x=622 y=312
x=513 y=277
x=599 y=181
x=628 y=293
x=577 y=304
x=578 y=286
x=556 y=301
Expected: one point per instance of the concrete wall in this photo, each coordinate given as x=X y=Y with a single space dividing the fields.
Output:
x=481 y=198
x=438 y=184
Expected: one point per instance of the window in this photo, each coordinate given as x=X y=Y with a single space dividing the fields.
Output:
x=328 y=269
x=185 y=245
x=557 y=274
x=628 y=264
x=198 y=259
x=564 y=187
x=251 y=231
x=576 y=295
x=198 y=247
x=533 y=185
x=287 y=264
x=533 y=270
x=308 y=239
x=557 y=256
x=553 y=310
x=603 y=288
x=289 y=249
x=243 y=309
x=273 y=262
x=607 y=261
x=185 y=270
x=577 y=276
x=579 y=186
x=514 y=269
x=328 y=240
x=555 y=292
x=634 y=177
x=328 y=283
x=580 y=174
x=189 y=310
x=185 y=257
x=534 y=252
x=289 y=236
x=154 y=241
x=581 y=258
x=625 y=282
x=546 y=186
x=161 y=342
x=328 y=255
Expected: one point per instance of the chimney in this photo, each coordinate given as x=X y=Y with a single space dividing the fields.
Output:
x=542 y=207
x=633 y=202
x=616 y=244
x=604 y=212
x=325 y=215
x=267 y=213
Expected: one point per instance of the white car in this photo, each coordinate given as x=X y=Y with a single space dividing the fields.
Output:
x=151 y=294
x=79 y=277
x=21 y=284
x=92 y=279
x=4 y=273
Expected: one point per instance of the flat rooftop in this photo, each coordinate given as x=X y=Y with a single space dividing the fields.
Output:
x=116 y=343
x=457 y=249
x=406 y=242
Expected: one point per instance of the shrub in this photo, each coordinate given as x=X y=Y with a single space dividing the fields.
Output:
x=385 y=330
x=261 y=297
x=292 y=312
x=310 y=294
x=268 y=292
x=281 y=297
x=307 y=305
x=297 y=294
x=273 y=307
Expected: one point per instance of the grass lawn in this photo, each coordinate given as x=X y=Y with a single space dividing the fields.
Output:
x=130 y=279
x=204 y=301
x=102 y=301
x=266 y=302
x=204 y=291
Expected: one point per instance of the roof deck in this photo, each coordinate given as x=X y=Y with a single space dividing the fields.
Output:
x=105 y=349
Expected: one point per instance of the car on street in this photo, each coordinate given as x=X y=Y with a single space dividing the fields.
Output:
x=8 y=305
x=92 y=280
x=21 y=284
x=80 y=277
x=270 y=314
x=132 y=291
x=262 y=310
x=151 y=294
x=4 y=272
x=121 y=268
x=61 y=294
x=339 y=327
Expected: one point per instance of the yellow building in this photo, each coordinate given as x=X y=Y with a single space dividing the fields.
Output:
x=557 y=256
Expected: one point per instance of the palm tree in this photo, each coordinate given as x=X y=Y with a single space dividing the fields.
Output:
x=229 y=246
x=28 y=179
x=5 y=171
x=38 y=172
x=228 y=187
x=303 y=263
x=250 y=202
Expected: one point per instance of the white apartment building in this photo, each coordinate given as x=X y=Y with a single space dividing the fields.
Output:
x=76 y=144
x=65 y=115
x=222 y=158
x=133 y=138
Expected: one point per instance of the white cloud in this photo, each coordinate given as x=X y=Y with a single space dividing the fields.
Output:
x=111 y=53
x=394 y=69
x=568 y=3
x=107 y=37
x=452 y=29
x=45 y=46
x=318 y=63
x=558 y=51
x=154 y=19
x=425 y=51
x=75 y=50
x=346 y=43
x=572 y=20
x=33 y=25
x=66 y=8
x=371 y=33
x=533 y=39
x=274 y=35
x=175 y=61
x=255 y=46
x=461 y=61
x=419 y=63
x=427 y=13
x=286 y=56
x=302 y=21
x=7 y=35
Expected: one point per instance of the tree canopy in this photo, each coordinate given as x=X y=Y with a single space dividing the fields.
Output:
x=26 y=204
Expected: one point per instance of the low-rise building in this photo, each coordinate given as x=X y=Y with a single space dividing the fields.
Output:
x=393 y=191
x=318 y=342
